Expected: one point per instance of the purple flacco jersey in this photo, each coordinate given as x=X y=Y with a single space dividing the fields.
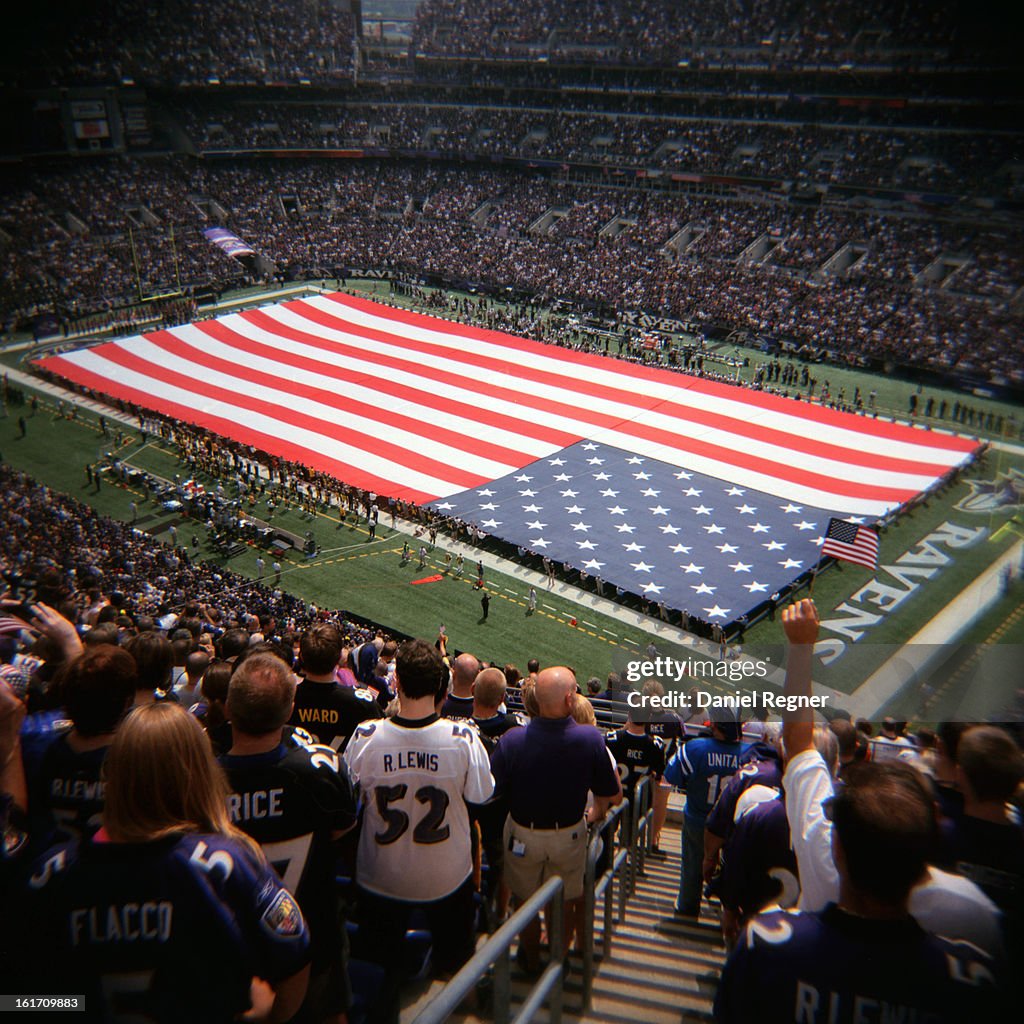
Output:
x=124 y=923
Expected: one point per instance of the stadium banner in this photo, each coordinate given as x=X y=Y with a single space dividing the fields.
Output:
x=99 y=129
x=229 y=243
x=707 y=496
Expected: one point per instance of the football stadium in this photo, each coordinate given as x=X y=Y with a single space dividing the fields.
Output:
x=512 y=511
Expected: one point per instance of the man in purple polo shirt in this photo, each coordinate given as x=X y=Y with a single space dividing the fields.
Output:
x=544 y=772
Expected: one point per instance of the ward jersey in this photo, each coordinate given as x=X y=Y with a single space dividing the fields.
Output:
x=332 y=712
x=834 y=968
x=124 y=923
x=415 y=777
x=290 y=800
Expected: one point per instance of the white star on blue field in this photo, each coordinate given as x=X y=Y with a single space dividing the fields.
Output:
x=700 y=544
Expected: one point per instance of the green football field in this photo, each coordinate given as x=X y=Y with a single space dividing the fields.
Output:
x=367 y=578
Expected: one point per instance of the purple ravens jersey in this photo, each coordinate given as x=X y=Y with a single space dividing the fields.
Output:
x=290 y=800
x=834 y=968
x=124 y=923
x=331 y=712
x=758 y=864
x=753 y=773
x=636 y=756
x=65 y=793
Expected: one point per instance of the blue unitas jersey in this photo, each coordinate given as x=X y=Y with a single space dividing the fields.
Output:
x=702 y=767
x=834 y=968
x=126 y=924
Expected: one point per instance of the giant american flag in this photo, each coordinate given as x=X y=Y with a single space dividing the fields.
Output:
x=702 y=494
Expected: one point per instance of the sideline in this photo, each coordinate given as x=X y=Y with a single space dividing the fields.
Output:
x=920 y=653
x=933 y=643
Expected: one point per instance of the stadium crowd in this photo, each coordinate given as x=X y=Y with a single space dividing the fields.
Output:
x=185 y=756
x=662 y=32
x=760 y=147
x=206 y=779
x=182 y=43
x=903 y=288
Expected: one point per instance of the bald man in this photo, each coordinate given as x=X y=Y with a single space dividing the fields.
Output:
x=544 y=772
x=459 y=703
x=488 y=698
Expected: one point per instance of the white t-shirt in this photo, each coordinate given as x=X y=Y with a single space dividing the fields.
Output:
x=955 y=908
x=415 y=780
x=942 y=904
x=808 y=784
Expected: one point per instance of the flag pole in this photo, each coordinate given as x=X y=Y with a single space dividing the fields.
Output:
x=814 y=576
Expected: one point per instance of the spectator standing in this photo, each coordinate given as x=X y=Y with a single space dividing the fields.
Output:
x=328 y=710
x=545 y=772
x=985 y=843
x=667 y=727
x=66 y=790
x=866 y=950
x=488 y=698
x=189 y=690
x=891 y=743
x=296 y=800
x=701 y=768
x=459 y=702
x=170 y=870
x=942 y=903
x=416 y=773
x=636 y=753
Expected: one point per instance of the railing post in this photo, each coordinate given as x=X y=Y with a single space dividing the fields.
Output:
x=502 y=986
x=609 y=924
x=495 y=954
x=626 y=875
x=556 y=940
x=643 y=796
x=587 y=938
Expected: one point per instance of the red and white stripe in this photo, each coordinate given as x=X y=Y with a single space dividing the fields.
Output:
x=421 y=408
x=862 y=548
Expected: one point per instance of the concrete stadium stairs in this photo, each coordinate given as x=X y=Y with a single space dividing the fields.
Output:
x=662 y=970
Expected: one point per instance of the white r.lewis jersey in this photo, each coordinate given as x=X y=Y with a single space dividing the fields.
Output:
x=415 y=779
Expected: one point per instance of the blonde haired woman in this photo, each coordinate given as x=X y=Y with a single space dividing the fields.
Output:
x=167 y=888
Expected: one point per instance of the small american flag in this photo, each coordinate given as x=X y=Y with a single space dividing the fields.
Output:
x=851 y=542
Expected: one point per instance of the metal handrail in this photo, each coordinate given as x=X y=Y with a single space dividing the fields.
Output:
x=641 y=828
x=595 y=889
x=496 y=952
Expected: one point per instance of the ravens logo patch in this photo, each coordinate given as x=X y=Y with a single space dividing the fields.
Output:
x=283 y=917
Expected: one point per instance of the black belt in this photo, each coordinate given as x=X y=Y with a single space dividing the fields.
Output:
x=535 y=826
